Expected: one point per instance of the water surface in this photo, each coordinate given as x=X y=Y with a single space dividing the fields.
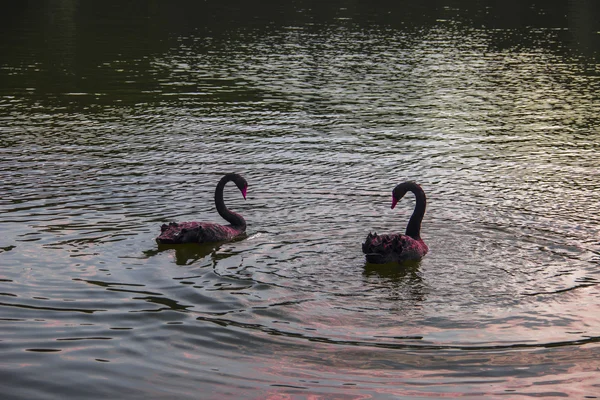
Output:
x=117 y=118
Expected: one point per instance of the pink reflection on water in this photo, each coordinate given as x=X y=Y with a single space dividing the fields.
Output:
x=349 y=372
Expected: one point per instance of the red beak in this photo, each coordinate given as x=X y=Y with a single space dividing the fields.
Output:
x=394 y=201
x=244 y=192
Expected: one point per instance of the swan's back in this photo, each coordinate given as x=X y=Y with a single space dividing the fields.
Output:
x=197 y=232
x=381 y=249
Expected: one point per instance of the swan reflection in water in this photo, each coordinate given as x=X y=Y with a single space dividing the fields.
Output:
x=399 y=282
x=188 y=253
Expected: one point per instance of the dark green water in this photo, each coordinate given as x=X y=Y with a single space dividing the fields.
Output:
x=116 y=117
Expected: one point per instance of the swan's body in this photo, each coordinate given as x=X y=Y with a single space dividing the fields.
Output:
x=396 y=247
x=205 y=232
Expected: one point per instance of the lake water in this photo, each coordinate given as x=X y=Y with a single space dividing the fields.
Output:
x=117 y=117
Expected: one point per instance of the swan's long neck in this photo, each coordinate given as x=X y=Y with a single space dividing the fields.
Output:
x=413 y=229
x=234 y=219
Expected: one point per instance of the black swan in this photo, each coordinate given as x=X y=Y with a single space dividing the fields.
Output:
x=396 y=247
x=205 y=232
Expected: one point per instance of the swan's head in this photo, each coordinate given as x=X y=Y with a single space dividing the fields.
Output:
x=397 y=194
x=241 y=183
x=400 y=190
